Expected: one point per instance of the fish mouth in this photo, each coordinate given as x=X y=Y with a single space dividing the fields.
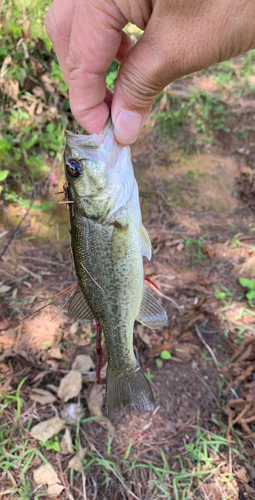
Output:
x=93 y=141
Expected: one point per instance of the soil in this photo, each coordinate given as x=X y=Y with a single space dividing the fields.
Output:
x=192 y=199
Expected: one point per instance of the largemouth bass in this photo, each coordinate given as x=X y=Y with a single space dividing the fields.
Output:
x=108 y=241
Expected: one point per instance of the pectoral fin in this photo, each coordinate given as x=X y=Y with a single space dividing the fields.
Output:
x=79 y=308
x=151 y=314
x=145 y=242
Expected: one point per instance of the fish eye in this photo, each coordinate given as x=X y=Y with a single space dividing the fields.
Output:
x=74 y=168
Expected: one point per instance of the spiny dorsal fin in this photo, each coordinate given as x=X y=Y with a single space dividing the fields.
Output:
x=79 y=309
x=151 y=314
x=145 y=242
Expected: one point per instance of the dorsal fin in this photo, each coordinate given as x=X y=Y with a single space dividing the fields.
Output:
x=145 y=242
x=79 y=308
x=151 y=314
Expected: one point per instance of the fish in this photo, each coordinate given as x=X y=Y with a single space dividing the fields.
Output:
x=108 y=242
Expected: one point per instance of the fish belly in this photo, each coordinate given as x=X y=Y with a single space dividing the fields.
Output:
x=112 y=257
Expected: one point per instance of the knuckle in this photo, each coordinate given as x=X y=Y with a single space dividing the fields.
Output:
x=139 y=88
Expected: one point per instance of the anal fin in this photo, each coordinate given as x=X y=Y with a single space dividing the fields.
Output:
x=79 y=308
x=151 y=314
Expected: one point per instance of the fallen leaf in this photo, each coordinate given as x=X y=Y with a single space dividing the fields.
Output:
x=39 y=92
x=47 y=475
x=143 y=335
x=185 y=352
x=66 y=445
x=47 y=429
x=72 y=413
x=56 y=353
x=95 y=400
x=55 y=489
x=41 y=396
x=52 y=387
x=4 y=387
x=5 y=288
x=83 y=363
x=76 y=462
x=70 y=385
x=180 y=247
x=4 y=324
x=74 y=328
x=208 y=250
x=95 y=403
x=53 y=363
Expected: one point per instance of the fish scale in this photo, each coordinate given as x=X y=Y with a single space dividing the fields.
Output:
x=91 y=245
x=108 y=242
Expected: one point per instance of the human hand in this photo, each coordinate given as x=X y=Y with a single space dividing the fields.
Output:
x=179 y=38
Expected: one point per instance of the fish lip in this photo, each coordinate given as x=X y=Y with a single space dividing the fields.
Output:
x=93 y=141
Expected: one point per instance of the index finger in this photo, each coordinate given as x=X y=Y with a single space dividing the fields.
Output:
x=95 y=40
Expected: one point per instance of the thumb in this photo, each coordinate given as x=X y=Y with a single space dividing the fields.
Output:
x=142 y=76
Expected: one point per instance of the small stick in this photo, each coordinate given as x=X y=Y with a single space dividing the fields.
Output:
x=18 y=336
x=40 y=309
x=99 y=352
x=65 y=202
x=92 y=277
x=47 y=298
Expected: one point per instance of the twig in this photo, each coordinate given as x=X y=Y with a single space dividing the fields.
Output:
x=92 y=277
x=16 y=230
x=51 y=262
x=93 y=448
x=168 y=298
x=63 y=479
x=203 y=381
x=208 y=347
x=18 y=336
x=214 y=359
x=84 y=485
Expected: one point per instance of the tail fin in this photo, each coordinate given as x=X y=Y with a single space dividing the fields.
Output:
x=128 y=388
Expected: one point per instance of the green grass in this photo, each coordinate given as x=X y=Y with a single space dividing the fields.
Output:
x=178 y=477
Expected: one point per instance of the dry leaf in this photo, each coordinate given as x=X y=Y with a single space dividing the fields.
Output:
x=4 y=387
x=72 y=413
x=143 y=336
x=55 y=489
x=76 y=462
x=70 y=385
x=5 y=288
x=95 y=400
x=56 y=353
x=106 y=424
x=41 y=396
x=185 y=352
x=83 y=363
x=46 y=475
x=39 y=92
x=39 y=109
x=52 y=387
x=47 y=429
x=180 y=247
x=66 y=444
x=95 y=403
x=74 y=328
x=53 y=363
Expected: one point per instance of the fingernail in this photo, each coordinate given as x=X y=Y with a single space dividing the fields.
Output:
x=128 y=126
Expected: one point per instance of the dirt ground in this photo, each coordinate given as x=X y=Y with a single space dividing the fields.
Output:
x=203 y=243
x=197 y=187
